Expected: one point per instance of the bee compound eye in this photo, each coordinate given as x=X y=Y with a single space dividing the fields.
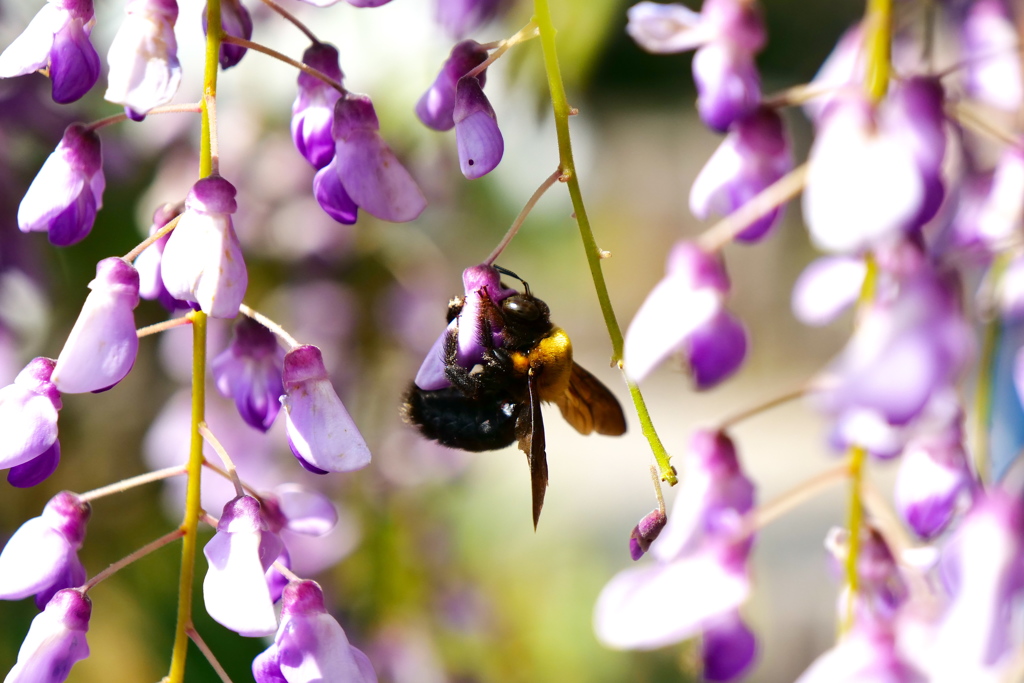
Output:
x=521 y=307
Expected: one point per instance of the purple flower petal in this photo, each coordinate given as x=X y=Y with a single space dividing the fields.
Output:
x=68 y=190
x=716 y=350
x=376 y=180
x=313 y=109
x=321 y=433
x=249 y=371
x=36 y=470
x=144 y=68
x=55 y=640
x=101 y=348
x=728 y=85
x=28 y=414
x=235 y=588
x=476 y=130
x=666 y=28
x=331 y=195
x=74 y=64
x=461 y=17
x=436 y=107
x=826 y=288
x=727 y=649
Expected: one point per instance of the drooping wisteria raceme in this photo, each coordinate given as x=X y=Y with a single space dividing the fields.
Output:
x=911 y=187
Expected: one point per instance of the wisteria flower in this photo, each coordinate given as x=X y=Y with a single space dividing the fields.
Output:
x=240 y=553
x=727 y=34
x=827 y=287
x=321 y=433
x=65 y=195
x=754 y=154
x=28 y=421
x=143 y=58
x=685 y=313
x=991 y=46
x=151 y=282
x=55 y=640
x=864 y=185
x=292 y=509
x=101 y=348
x=907 y=349
x=313 y=109
x=1001 y=213
x=700 y=578
x=436 y=107
x=249 y=371
x=236 y=21
x=41 y=557
x=483 y=289
x=368 y=171
x=982 y=564
x=461 y=17
x=56 y=41
x=310 y=645
x=933 y=477
x=477 y=135
x=202 y=260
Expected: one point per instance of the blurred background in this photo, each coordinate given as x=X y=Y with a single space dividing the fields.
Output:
x=438 y=574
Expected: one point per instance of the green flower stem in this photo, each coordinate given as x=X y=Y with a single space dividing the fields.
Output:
x=562 y=111
x=856 y=520
x=879 y=47
x=983 y=395
x=190 y=524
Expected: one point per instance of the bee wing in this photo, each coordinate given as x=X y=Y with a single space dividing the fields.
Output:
x=532 y=442
x=589 y=406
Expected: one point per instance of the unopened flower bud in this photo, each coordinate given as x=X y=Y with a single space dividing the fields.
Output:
x=313 y=109
x=65 y=195
x=57 y=41
x=55 y=640
x=236 y=21
x=645 y=532
x=102 y=346
x=202 y=259
x=249 y=371
x=240 y=553
x=321 y=433
x=143 y=58
x=437 y=105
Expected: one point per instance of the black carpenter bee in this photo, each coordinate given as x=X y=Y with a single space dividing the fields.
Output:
x=497 y=402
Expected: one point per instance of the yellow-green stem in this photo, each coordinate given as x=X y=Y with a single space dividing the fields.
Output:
x=878 y=47
x=856 y=520
x=190 y=523
x=992 y=335
x=562 y=110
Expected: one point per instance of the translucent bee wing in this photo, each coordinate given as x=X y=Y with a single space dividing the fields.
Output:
x=589 y=406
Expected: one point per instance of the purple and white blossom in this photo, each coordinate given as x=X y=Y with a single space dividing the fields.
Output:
x=991 y=45
x=436 y=107
x=864 y=184
x=754 y=154
x=313 y=109
x=321 y=433
x=249 y=371
x=28 y=421
x=685 y=313
x=143 y=58
x=483 y=289
x=101 y=348
x=726 y=34
x=202 y=260
x=55 y=640
x=65 y=195
x=57 y=41
x=310 y=645
x=41 y=557
x=827 y=287
x=240 y=553
x=700 y=578
x=368 y=172
x=477 y=135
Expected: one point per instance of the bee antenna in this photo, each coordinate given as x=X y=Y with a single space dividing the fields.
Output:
x=506 y=271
